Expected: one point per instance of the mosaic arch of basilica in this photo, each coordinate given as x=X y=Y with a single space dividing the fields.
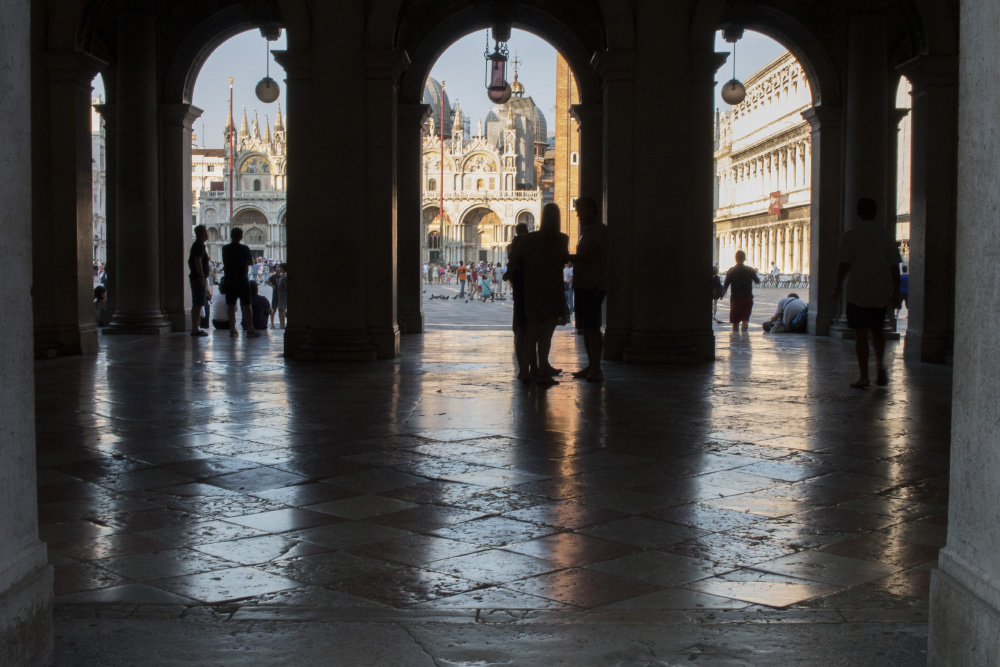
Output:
x=149 y=53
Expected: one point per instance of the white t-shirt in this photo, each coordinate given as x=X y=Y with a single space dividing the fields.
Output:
x=220 y=311
x=567 y=275
x=870 y=251
x=789 y=307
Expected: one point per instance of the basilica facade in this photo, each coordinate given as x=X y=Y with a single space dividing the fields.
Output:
x=259 y=183
x=490 y=182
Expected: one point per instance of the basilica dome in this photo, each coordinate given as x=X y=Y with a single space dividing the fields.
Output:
x=432 y=96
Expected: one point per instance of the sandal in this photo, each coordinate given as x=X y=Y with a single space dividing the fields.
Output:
x=582 y=373
x=863 y=383
x=882 y=378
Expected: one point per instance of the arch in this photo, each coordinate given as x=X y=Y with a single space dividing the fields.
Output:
x=249 y=215
x=470 y=18
x=480 y=160
x=804 y=46
x=198 y=44
x=255 y=235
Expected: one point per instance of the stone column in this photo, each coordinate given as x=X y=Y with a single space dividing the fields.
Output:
x=825 y=214
x=25 y=575
x=867 y=111
x=965 y=593
x=589 y=118
x=63 y=225
x=796 y=265
x=787 y=249
x=931 y=317
x=410 y=233
x=137 y=275
x=177 y=121
x=619 y=152
x=806 y=249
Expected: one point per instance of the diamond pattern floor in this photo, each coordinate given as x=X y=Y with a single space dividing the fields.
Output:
x=211 y=472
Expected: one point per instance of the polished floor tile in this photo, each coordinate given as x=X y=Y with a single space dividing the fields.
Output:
x=436 y=482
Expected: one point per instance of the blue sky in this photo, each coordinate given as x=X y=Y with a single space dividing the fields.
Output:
x=462 y=66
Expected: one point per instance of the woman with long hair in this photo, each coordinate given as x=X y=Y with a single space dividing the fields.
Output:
x=545 y=253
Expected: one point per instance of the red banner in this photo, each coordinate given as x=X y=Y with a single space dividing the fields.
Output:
x=774 y=208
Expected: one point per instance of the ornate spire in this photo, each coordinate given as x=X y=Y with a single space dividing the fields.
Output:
x=245 y=126
x=256 y=126
x=267 y=130
x=279 y=122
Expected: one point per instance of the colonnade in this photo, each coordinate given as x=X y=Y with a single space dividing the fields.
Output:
x=787 y=245
x=785 y=168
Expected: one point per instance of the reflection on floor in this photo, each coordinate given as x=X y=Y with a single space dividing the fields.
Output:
x=187 y=476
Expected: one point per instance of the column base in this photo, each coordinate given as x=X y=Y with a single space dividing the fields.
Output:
x=144 y=324
x=26 y=636
x=311 y=344
x=680 y=349
x=928 y=347
x=963 y=625
x=179 y=320
x=615 y=342
x=820 y=324
x=842 y=331
x=61 y=341
x=411 y=323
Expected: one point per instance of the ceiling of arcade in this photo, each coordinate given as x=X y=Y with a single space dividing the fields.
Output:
x=191 y=29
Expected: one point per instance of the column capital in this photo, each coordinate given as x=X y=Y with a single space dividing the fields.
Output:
x=296 y=63
x=182 y=114
x=108 y=114
x=822 y=116
x=615 y=65
x=924 y=71
x=877 y=8
x=587 y=114
x=705 y=64
x=385 y=63
x=410 y=115
x=73 y=66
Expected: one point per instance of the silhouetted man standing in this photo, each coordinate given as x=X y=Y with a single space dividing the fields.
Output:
x=591 y=267
x=236 y=260
x=870 y=260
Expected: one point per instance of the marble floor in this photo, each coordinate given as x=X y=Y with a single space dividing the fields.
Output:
x=430 y=510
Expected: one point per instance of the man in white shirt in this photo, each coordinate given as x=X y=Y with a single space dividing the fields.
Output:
x=568 y=284
x=788 y=309
x=869 y=260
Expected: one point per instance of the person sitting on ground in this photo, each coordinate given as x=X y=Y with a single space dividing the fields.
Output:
x=788 y=309
x=261 y=309
x=101 y=305
x=219 y=310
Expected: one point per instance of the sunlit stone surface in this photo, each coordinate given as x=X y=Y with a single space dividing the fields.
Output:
x=198 y=496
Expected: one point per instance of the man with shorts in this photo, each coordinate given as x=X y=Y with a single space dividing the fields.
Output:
x=462 y=274
x=870 y=260
x=591 y=267
x=742 y=279
x=236 y=259
x=199 y=267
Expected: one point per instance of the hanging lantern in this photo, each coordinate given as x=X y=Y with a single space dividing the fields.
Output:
x=733 y=92
x=497 y=87
x=268 y=89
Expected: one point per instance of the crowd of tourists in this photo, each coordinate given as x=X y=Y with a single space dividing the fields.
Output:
x=476 y=280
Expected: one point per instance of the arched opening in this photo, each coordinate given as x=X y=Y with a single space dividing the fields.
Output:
x=763 y=168
x=99 y=176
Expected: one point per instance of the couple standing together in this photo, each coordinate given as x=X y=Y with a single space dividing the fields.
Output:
x=535 y=270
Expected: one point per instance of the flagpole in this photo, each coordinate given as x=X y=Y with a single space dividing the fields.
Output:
x=232 y=129
x=441 y=201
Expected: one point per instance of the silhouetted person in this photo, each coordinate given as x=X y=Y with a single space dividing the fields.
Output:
x=591 y=269
x=236 y=260
x=904 y=291
x=870 y=260
x=515 y=276
x=545 y=253
x=199 y=267
x=741 y=278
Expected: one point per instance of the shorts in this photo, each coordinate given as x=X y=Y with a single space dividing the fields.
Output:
x=740 y=309
x=237 y=291
x=859 y=317
x=198 y=292
x=588 y=305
